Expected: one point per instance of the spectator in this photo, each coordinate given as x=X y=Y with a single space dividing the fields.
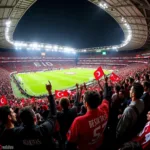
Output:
x=83 y=111
x=115 y=105
x=131 y=81
x=33 y=136
x=137 y=78
x=7 y=119
x=67 y=115
x=146 y=97
x=144 y=137
x=146 y=77
x=115 y=96
x=130 y=116
x=87 y=131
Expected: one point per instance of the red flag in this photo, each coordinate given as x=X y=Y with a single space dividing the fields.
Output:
x=3 y=101
x=60 y=94
x=39 y=101
x=23 y=101
x=33 y=100
x=98 y=73
x=69 y=92
x=114 y=77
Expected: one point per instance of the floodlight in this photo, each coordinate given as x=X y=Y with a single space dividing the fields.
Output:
x=18 y=43
x=8 y=23
x=55 y=47
x=61 y=48
x=41 y=45
x=48 y=46
x=34 y=45
x=105 y=5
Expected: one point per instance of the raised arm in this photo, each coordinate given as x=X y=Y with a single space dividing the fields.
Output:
x=106 y=97
x=106 y=90
x=51 y=100
x=100 y=85
x=48 y=126
x=78 y=95
x=84 y=85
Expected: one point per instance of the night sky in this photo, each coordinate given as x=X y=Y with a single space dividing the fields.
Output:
x=74 y=23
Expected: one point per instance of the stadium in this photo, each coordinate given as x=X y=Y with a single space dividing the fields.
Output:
x=116 y=75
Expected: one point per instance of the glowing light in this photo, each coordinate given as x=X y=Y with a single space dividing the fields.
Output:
x=48 y=47
x=8 y=23
x=55 y=47
x=103 y=5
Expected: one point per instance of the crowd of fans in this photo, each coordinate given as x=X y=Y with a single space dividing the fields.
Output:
x=5 y=86
x=102 y=116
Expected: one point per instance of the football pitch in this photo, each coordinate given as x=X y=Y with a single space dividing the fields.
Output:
x=34 y=83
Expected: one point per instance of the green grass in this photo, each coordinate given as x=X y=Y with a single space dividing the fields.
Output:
x=34 y=83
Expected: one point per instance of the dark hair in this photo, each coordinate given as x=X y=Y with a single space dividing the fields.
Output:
x=127 y=80
x=146 y=84
x=125 y=86
x=27 y=115
x=83 y=109
x=147 y=77
x=4 y=112
x=45 y=114
x=131 y=146
x=138 y=90
x=57 y=102
x=137 y=77
x=117 y=88
x=122 y=91
x=131 y=80
x=64 y=102
x=16 y=110
x=93 y=99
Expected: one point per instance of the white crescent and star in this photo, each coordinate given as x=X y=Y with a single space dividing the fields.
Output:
x=98 y=73
x=2 y=102
x=59 y=94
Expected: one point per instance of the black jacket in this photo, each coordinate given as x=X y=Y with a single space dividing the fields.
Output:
x=7 y=137
x=38 y=136
x=67 y=116
x=35 y=136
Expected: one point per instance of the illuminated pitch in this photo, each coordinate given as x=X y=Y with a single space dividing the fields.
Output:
x=34 y=83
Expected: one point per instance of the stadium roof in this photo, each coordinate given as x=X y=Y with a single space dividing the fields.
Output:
x=11 y=10
x=133 y=17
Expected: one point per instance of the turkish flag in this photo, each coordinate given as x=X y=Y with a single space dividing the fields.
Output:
x=98 y=73
x=60 y=94
x=113 y=77
x=3 y=101
x=69 y=92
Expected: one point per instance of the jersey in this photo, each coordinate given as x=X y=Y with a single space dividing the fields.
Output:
x=144 y=137
x=87 y=130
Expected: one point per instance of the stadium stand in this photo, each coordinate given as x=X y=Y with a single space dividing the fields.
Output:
x=104 y=115
x=64 y=121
